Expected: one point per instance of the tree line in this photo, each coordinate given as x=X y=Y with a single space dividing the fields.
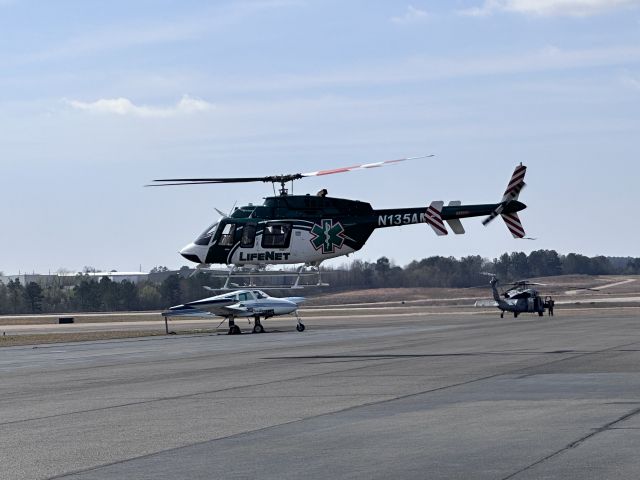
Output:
x=95 y=295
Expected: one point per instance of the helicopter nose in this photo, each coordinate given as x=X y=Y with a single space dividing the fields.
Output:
x=194 y=253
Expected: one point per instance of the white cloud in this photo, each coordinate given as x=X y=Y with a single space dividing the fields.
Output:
x=124 y=106
x=411 y=15
x=547 y=8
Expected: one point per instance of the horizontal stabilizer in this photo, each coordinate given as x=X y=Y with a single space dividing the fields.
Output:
x=434 y=218
x=514 y=224
x=455 y=223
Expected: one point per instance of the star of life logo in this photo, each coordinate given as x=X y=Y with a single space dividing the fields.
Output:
x=327 y=236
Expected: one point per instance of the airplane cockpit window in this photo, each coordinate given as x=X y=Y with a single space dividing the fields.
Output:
x=226 y=238
x=248 y=235
x=275 y=236
x=205 y=237
x=259 y=295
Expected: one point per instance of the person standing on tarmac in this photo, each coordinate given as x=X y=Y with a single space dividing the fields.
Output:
x=550 y=303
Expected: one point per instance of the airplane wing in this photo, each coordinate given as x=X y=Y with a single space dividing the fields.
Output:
x=207 y=306
x=186 y=312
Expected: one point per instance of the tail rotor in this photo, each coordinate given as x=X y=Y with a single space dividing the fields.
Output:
x=511 y=194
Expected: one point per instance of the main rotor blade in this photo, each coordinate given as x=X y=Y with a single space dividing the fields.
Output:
x=275 y=178
x=360 y=167
x=204 y=181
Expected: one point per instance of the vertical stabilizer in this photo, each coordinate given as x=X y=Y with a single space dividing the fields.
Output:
x=511 y=194
x=434 y=218
x=513 y=223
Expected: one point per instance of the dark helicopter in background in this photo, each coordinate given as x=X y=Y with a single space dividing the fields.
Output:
x=521 y=297
x=308 y=229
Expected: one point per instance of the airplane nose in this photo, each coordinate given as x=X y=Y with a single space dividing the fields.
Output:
x=194 y=253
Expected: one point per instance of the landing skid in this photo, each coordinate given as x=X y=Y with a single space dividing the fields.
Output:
x=251 y=277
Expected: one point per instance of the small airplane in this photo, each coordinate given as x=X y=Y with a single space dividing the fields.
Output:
x=519 y=298
x=241 y=303
x=305 y=229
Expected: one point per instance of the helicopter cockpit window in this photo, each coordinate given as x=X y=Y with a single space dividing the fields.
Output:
x=248 y=235
x=205 y=237
x=226 y=238
x=276 y=236
x=243 y=297
x=259 y=295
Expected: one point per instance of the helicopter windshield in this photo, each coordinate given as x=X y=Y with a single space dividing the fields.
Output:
x=205 y=237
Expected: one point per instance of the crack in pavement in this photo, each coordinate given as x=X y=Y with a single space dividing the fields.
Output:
x=577 y=443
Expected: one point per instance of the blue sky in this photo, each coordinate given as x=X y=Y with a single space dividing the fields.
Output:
x=98 y=98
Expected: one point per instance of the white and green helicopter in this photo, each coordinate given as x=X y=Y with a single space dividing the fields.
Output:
x=308 y=229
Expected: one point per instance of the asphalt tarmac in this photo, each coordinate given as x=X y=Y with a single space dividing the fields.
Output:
x=438 y=397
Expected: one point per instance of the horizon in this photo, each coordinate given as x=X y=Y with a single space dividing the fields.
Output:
x=335 y=264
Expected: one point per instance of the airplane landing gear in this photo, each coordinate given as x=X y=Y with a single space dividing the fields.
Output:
x=233 y=328
x=300 y=325
x=257 y=326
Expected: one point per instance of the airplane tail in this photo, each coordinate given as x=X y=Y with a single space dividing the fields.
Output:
x=511 y=194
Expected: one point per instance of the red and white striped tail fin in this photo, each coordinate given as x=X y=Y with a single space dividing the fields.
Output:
x=514 y=224
x=434 y=218
x=516 y=184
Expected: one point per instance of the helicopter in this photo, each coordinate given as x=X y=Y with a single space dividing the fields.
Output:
x=519 y=298
x=308 y=229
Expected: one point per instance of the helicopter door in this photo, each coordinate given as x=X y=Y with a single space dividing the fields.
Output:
x=248 y=235
x=276 y=235
x=226 y=237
